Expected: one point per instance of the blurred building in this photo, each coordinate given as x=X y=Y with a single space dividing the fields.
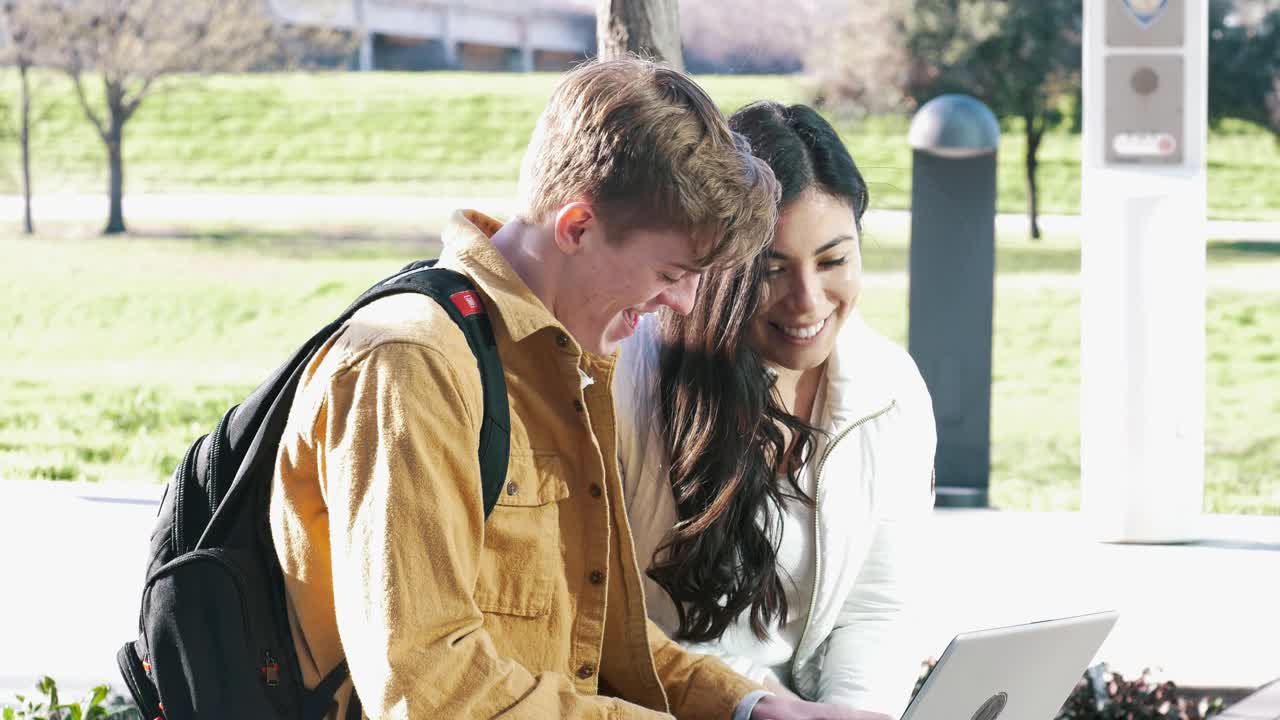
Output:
x=719 y=36
x=488 y=35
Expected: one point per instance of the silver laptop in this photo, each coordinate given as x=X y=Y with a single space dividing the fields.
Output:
x=1024 y=672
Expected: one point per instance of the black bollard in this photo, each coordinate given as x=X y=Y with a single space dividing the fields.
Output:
x=952 y=277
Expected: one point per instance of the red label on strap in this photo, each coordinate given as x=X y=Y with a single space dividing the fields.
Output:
x=467 y=302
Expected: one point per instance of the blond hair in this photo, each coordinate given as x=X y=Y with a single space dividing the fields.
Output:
x=649 y=149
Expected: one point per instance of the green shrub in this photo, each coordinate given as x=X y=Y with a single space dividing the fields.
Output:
x=48 y=706
x=1103 y=695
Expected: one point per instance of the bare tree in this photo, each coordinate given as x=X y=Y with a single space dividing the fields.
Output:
x=32 y=40
x=747 y=36
x=648 y=28
x=861 y=60
x=132 y=45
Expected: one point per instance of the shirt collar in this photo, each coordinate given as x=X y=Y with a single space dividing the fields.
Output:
x=857 y=381
x=467 y=246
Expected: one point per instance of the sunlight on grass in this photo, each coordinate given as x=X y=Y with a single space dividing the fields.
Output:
x=122 y=351
x=463 y=134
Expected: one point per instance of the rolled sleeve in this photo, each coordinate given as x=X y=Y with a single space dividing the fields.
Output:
x=697 y=686
x=748 y=704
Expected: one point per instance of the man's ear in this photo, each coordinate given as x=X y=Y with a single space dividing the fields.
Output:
x=573 y=223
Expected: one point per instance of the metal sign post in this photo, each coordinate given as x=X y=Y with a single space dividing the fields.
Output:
x=952 y=273
x=1142 y=269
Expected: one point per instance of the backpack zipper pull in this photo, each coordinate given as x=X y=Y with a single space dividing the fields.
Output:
x=270 y=670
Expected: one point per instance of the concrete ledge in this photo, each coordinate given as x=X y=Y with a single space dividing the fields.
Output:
x=1203 y=614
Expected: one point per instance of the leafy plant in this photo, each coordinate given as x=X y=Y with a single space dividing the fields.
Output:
x=1104 y=695
x=47 y=706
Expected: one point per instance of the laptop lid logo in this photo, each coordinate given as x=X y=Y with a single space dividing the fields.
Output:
x=992 y=707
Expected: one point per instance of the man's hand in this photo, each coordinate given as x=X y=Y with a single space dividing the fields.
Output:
x=778 y=707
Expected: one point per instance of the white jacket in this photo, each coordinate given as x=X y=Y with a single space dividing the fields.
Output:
x=874 y=488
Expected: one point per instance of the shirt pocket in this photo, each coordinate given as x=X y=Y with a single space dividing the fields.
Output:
x=521 y=563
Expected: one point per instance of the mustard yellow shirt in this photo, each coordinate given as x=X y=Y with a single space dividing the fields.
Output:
x=377 y=520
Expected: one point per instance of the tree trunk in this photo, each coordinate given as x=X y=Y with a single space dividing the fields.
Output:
x=115 y=161
x=24 y=137
x=648 y=28
x=1034 y=135
x=117 y=115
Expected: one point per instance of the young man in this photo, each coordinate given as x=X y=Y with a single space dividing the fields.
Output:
x=632 y=186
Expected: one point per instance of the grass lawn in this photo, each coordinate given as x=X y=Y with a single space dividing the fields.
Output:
x=462 y=134
x=121 y=351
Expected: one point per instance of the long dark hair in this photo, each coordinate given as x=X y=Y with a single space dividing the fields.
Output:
x=725 y=426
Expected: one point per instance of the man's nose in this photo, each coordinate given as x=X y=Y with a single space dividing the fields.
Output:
x=681 y=296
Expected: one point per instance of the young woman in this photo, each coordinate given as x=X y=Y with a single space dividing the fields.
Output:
x=778 y=452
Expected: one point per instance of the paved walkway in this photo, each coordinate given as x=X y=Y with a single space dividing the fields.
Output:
x=266 y=209
x=1207 y=613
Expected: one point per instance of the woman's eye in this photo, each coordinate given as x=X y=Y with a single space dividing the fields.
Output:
x=669 y=279
x=834 y=263
x=773 y=272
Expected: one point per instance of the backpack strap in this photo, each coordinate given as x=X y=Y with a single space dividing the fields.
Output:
x=448 y=288
x=317 y=701
x=459 y=298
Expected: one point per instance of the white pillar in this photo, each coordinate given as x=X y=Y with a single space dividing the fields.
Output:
x=1142 y=355
x=526 y=44
x=366 y=37
x=448 y=40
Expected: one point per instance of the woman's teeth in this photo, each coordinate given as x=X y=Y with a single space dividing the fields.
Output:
x=803 y=333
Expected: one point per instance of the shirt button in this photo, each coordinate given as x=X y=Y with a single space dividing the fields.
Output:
x=596 y=491
x=512 y=488
x=586 y=671
x=577 y=405
x=597 y=577
x=562 y=340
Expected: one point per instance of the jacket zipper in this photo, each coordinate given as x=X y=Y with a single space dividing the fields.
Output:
x=817 y=544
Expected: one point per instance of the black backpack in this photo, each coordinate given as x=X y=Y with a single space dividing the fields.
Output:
x=214 y=639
